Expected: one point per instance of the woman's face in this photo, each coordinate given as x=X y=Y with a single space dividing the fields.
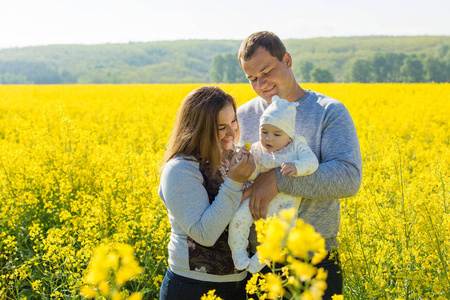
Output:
x=228 y=126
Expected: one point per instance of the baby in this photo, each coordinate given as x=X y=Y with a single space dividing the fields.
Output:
x=278 y=146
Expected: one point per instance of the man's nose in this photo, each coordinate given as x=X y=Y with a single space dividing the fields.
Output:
x=261 y=82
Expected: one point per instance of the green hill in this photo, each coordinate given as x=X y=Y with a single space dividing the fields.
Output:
x=192 y=60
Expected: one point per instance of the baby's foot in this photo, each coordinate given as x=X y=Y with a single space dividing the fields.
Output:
x=241 y=260
x=255 y=266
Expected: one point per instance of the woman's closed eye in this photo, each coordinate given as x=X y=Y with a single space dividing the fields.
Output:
x=223 y=127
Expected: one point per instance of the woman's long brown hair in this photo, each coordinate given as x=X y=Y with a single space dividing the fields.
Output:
x=196 y=130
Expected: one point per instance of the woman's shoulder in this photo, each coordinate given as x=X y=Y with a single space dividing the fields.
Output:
x=182 y=164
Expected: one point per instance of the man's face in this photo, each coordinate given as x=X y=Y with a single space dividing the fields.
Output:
x=269 y=76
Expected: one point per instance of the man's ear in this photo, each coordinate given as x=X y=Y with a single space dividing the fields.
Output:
x=288 y=60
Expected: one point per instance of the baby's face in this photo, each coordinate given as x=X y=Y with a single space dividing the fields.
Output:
x=273 y=138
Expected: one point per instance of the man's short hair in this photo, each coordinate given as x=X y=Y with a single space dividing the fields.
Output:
x=266 y=39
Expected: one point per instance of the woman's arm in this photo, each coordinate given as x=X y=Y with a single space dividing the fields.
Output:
x=183 y=193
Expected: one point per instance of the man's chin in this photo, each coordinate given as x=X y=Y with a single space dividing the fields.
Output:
x=268 y=98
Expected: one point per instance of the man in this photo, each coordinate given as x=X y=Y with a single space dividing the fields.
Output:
x=329 y=131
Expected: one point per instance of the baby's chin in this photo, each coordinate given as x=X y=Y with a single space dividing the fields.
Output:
x=270 y=148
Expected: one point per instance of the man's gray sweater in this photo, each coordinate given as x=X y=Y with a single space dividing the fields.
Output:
x=330 y=132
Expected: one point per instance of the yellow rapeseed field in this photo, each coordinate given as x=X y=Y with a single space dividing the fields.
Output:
x=79 y=169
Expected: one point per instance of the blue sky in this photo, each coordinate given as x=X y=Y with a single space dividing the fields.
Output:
x=32 y=22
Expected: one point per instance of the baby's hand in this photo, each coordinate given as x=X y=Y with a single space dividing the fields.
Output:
x=288 y=169
x=241 y=152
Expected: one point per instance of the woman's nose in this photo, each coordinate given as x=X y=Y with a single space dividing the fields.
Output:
x=231 y=132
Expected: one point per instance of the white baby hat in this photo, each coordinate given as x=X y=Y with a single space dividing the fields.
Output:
x=280 y=113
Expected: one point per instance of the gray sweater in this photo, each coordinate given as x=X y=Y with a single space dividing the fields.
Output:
x=191 y=214
x=330 y=133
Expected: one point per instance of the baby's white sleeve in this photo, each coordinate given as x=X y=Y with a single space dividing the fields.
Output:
x=305 y=160
x=255 y=151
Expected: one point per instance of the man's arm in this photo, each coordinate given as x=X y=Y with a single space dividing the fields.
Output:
x=340 y=170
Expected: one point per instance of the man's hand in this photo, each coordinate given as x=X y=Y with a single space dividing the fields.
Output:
x=261 y=192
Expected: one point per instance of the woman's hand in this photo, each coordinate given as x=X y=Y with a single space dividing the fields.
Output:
x=241 y=152
x=241 y=169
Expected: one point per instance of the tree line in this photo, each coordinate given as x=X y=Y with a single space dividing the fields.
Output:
x=351 y=59
x=378 y=68
x=225 y=68
x=399 y=67
x=26 y=72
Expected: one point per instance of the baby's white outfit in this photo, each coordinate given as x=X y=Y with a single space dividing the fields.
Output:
x=297 y=152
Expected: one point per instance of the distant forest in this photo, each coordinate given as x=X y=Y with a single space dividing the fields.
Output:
x=351 y=59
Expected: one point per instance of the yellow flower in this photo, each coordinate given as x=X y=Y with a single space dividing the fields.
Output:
x=288 y=214
x=285 y=271
x=127 y=272
x=321 y=274
x=104 y=288
x=303 y=239
x=116 y=295
x=36 y=284
x=252 y=284
x=271 y=248
x=302 y=270
x=111 y=261
x=273 y=286
x=306 y=295
x=88 y=155
x=210 y=296
x=317 y=288
x=319 y=256
x=88 y=292
x=135 y=296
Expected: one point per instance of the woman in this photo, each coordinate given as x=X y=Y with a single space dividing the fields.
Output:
x=201 y=187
